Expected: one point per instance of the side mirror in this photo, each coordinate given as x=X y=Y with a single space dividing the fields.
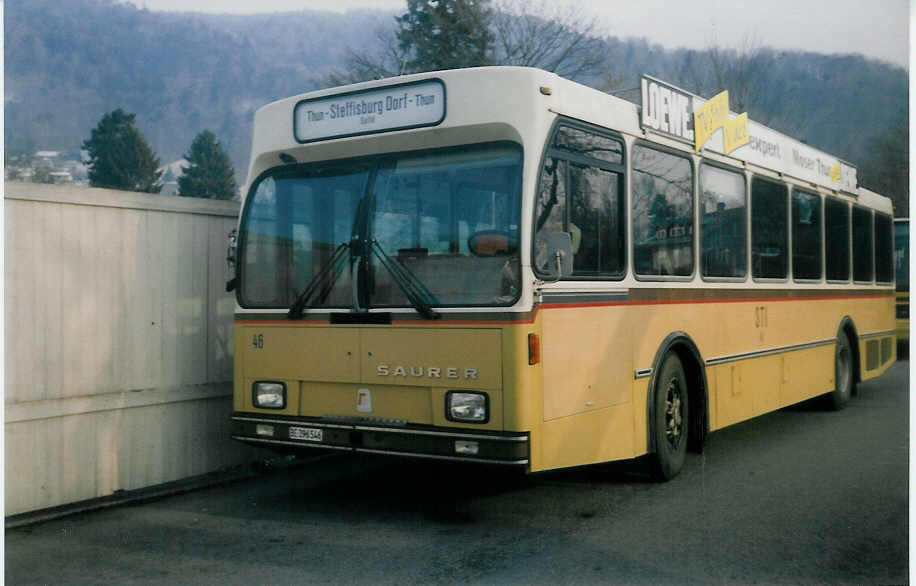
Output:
x=491 y=243
x=559 y=253
x=231 y=252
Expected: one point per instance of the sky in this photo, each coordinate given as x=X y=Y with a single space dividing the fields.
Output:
x=875 y=28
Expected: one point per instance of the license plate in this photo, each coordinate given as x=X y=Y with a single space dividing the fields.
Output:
x=309 y=434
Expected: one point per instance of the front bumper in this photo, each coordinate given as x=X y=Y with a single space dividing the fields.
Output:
x=505 y=448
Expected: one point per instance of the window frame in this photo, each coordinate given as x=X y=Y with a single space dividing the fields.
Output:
x=699 y=228
x=821 y=245
x=852 y=247
x=693 y=192
x=848 y=278
x=621 y=169
x=890 y=221
x=788 y=241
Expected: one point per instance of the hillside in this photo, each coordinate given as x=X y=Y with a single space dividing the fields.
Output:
x=69 y=61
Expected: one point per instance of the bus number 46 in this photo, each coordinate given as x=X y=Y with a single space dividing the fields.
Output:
x=760 y=316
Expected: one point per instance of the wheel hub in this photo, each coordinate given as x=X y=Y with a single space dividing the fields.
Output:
x=674 y=416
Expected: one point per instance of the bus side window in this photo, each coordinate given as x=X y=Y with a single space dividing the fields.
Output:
x=806 y=235
x=580 y=193
x=862 y=238
x=662 y=213
x=595 y=212
x=884 y=248
x=550 y=215
x=769 y=229
x=604 y=150
x=836 y=245
x=723 y=223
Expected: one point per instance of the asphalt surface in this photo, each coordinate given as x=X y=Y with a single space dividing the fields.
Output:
x=800 y=496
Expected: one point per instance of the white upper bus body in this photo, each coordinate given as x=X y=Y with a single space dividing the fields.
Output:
x=479 y=105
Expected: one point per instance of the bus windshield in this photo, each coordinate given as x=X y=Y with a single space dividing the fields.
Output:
x=446 y=221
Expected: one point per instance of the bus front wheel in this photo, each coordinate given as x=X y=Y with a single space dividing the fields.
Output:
x=670 y=419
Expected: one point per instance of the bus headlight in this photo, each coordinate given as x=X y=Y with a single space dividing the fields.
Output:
x=470 y=406
x=269 y=395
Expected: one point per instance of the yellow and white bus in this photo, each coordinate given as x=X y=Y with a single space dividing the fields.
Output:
x=902 y=271
x=500 y=265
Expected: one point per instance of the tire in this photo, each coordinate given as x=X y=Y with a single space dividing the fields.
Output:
x=843 y=375
x=670 y=419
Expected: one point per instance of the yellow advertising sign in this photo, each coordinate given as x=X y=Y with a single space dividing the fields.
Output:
x=688 y=118
x=735 y=133
x=710 y=117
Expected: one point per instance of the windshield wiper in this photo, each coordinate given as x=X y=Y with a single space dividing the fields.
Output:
x=323 y=282
x=416 y=292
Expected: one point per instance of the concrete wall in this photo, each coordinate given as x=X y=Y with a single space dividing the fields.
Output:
x=118 y=335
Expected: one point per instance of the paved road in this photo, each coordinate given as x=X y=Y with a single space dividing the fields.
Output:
x=797 y=496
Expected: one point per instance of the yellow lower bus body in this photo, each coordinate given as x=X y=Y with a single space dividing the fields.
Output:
x=383 y=388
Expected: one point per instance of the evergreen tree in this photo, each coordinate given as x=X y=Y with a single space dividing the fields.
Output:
x=210 y=173
x=441 y=34
x=445 y=34
x=119 y=157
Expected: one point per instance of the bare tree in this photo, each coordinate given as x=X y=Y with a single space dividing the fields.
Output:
x=522 y=33
x=887 y=169
x=549 y=37
x=387 y=60
x=741 y=71
x=694 y=72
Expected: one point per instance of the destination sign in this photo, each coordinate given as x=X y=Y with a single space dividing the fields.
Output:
x=385 y=109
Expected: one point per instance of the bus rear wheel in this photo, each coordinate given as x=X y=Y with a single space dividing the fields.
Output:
x=843 y=376
x=670 y=420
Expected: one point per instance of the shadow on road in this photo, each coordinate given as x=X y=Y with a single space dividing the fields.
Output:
x=371 y=487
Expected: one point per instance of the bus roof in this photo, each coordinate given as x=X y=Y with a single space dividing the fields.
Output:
x=478 y=104
x=874 y=200
x=506 y=103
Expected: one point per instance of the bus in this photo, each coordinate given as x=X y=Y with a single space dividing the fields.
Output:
x=499 y=265
x=902 y=270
